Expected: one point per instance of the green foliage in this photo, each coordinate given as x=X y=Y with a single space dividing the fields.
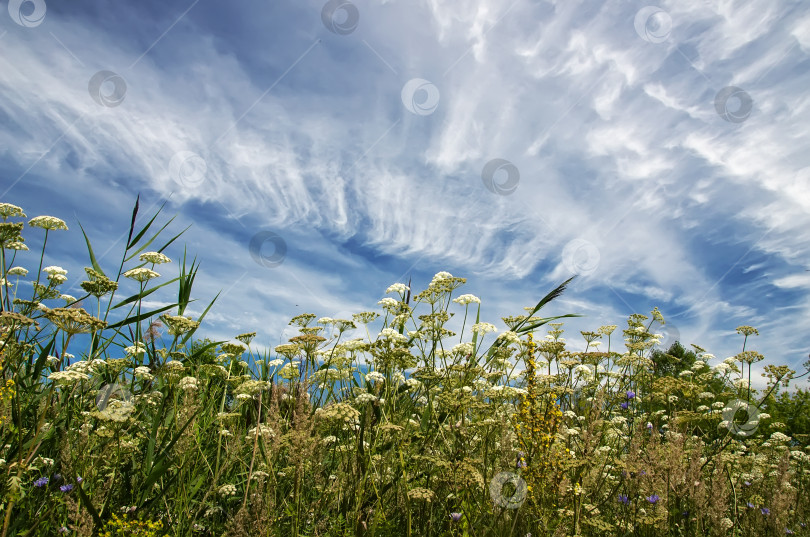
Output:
x=151 y=431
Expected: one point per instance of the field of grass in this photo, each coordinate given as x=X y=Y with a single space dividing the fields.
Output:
x=117 y=421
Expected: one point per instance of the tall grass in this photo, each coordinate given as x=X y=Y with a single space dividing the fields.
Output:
x=484 y=432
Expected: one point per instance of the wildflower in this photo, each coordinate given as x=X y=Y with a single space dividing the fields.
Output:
x=41 y=482
x=48 y=223
x=227 y=490
x=765 y=511
x=53 y=270
x=178 y=325
x=138 y=348
x=141 y=274
x=8 y=210
x=17 y=271
x=483 y=328
x=388 y=303
x=624 y=499
x=155 y=258
x=631 y=394
x=625 y=406
x=788 y=531
x=188 y=383
x=455 y=517
x=66 y=488
x=143 y=372
x=652 y=499
x=64 y=529
x=397 y=288
x=68 y=298
x=375 y=376
x=467 y=299
x=726 y=523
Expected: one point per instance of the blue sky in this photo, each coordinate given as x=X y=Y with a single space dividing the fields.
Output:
x=658 y=151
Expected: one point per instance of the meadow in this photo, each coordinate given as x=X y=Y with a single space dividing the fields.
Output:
x=118 y=421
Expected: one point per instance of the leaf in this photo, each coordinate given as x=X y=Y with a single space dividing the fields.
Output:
x=140 y=234
x=139 y=318
x=89 y=506
x=93 y=261
x=132 y=223
x=143 y=294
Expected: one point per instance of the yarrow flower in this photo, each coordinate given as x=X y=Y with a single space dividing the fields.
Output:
x=483 y=328
x=48 y=223
x=397 y=288
x=467 y=299
x=141 y=274
x=155 y=258
x=17 y=271
x=8 y=210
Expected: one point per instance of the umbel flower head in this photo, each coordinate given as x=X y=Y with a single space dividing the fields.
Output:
x=8 y=210
x=48 y=223
x=178 y=324
x=99 y=285
x=156 y=258
x=73 y=320
x=141 y=274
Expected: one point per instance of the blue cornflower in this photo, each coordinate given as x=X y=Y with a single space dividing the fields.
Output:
x=624 y=499
x=624 y=406
x=631 y=394
x=66 y=488
x=41 y=482
x=652 y=499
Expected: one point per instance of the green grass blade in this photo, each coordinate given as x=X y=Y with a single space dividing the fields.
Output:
x=93 y=260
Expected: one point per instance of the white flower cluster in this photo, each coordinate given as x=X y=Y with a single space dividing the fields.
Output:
x=375 y=376
x=188 y=383
x=397 y=288
x=467 y=299
x=227 y=490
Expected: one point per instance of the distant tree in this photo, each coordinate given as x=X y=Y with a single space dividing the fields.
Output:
x=670 y=363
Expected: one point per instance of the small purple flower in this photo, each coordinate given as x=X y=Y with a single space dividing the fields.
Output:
x=41 y=482
x=63 y=529
x=788 y=531
x=625 y=406
x=750 y=505
x=624 y=499
x=652 y=499
x=66 y=488
x=79 y=479
x=631 y=394
x=455 y=516
x=642 y=472
x=765 y=511
x=747 y=483
x=649 y=425
x=802 y=524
